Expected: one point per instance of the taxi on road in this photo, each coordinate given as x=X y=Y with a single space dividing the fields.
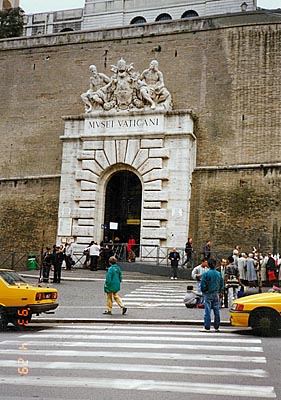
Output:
x=19 y=300
x=262 y=312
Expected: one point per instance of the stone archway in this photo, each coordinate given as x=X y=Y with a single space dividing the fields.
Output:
x=157 y=147
x=123 y=204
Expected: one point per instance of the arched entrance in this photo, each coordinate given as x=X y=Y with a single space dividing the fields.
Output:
x=123 y=203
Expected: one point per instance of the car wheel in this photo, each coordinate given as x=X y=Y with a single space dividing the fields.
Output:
x=3 y=325
x=3 y=320
x=265 y=322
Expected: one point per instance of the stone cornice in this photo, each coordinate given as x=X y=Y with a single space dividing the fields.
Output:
x=208 y=168
x=113 y=113
x=30 y=177
x=146 y=30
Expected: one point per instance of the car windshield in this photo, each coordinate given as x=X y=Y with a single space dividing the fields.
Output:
x=11 y=277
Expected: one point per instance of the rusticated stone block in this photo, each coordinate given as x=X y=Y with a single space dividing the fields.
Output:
x=154 y=233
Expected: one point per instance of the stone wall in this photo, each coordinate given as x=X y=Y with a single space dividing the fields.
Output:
x=28 y=214
x=237 y=206
x=226 y=70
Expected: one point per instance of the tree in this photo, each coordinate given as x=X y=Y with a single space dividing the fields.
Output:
x=11 y=22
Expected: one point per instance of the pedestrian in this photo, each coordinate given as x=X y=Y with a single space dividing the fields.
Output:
x=131 y=249
x=94 y=252
x=46 y=264
x=222 y=269
x=174 y=257
x=207 y=250
x=117 y=248
x=86 y=253
x=278 y=270
x=271 y=270
x=197 y=273
x=236 y=249
x=251 y=271
x=57 y=260
x=188 y=252
x=242 y=268
x=112 y=286
x=68 y=251
x=106 y=253
x=235 y=256
x=232 y=280
x=212 y=287
x=191 y=298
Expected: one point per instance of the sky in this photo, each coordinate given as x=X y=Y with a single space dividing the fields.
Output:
x=36 y=6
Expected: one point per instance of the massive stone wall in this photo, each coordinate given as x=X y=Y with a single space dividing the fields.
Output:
x=227 y=71
x=28 y=214
x=237 y=206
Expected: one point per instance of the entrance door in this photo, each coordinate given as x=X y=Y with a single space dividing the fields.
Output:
x=123 y=205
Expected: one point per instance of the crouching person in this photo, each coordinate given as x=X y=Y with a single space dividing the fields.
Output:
x=191 y=299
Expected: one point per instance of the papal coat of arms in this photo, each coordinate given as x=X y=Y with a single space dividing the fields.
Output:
x=126 y=89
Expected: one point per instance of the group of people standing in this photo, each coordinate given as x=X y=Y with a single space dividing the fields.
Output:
x=53 y=260
x=252 y=266
x=218 y=284
x=102 y=252
x=92 y=253
x=238 y=271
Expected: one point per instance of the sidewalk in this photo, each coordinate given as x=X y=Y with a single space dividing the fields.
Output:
x=82 y=300
x=85 y=274
x=136 y=270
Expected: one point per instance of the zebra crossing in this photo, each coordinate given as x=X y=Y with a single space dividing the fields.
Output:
x=116 y=358
x=157 y=295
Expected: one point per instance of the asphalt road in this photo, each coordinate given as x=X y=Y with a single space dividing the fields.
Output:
x=149 y=298
x=156 y=350
x=109 y=361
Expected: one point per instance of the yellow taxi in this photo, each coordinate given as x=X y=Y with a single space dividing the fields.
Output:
x=262 y=312
x=19 y=300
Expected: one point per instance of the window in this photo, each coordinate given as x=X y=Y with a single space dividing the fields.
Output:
x=190 y=14
x=163 y=17
x=67 y=27
x=38 y=30
x=138 y=20
x=67 y=30
x=12 y=278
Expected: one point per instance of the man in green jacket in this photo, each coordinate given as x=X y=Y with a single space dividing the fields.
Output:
x=112 y=286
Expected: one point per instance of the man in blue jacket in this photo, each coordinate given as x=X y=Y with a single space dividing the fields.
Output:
x=112 y=286
x=212 y=286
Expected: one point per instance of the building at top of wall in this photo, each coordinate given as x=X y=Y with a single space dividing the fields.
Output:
x=111 y=14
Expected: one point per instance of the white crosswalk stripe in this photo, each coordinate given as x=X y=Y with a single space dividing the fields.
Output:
x=163 y=295
x=192 y=362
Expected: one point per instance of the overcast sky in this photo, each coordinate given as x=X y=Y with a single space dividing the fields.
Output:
x=34 y=6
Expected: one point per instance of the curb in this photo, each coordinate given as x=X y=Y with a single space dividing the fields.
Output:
x=68 y=278
x=121 y=321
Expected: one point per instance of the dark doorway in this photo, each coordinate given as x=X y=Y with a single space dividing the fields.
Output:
x=123 y=205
